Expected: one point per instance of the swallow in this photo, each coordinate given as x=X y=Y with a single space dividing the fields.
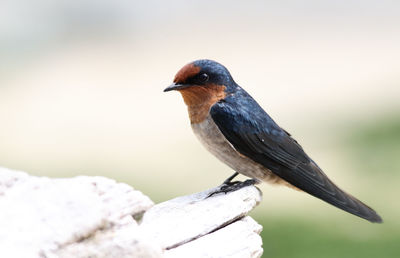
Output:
x=233 y=127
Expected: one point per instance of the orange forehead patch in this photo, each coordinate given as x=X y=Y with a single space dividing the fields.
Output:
x=186 y=72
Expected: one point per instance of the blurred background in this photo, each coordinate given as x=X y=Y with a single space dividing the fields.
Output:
x=81 y=94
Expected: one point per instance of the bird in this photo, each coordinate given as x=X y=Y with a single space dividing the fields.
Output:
x=236 y=129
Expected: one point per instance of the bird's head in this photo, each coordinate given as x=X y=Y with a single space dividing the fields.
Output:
x=203 y=82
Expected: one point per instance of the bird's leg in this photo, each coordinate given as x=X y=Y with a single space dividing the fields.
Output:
x=228 y=181
x=229 y=186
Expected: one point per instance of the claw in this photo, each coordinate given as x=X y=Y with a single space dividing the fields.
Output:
x=233 y=186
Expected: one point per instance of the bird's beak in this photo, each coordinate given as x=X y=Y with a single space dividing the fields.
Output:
x=176 y=86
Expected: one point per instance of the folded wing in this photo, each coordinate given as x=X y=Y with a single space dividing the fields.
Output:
x=254 y=134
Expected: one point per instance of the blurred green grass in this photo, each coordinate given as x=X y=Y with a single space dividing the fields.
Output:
x=288 y=237
x=375 y=146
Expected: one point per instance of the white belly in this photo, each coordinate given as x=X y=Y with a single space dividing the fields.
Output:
x=215 y=142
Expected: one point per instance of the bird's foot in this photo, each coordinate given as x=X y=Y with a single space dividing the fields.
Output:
x=229 y=186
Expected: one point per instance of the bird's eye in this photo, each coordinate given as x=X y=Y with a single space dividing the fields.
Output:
x=203 y=77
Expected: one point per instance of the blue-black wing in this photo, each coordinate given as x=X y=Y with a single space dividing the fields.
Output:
x=254 y=134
